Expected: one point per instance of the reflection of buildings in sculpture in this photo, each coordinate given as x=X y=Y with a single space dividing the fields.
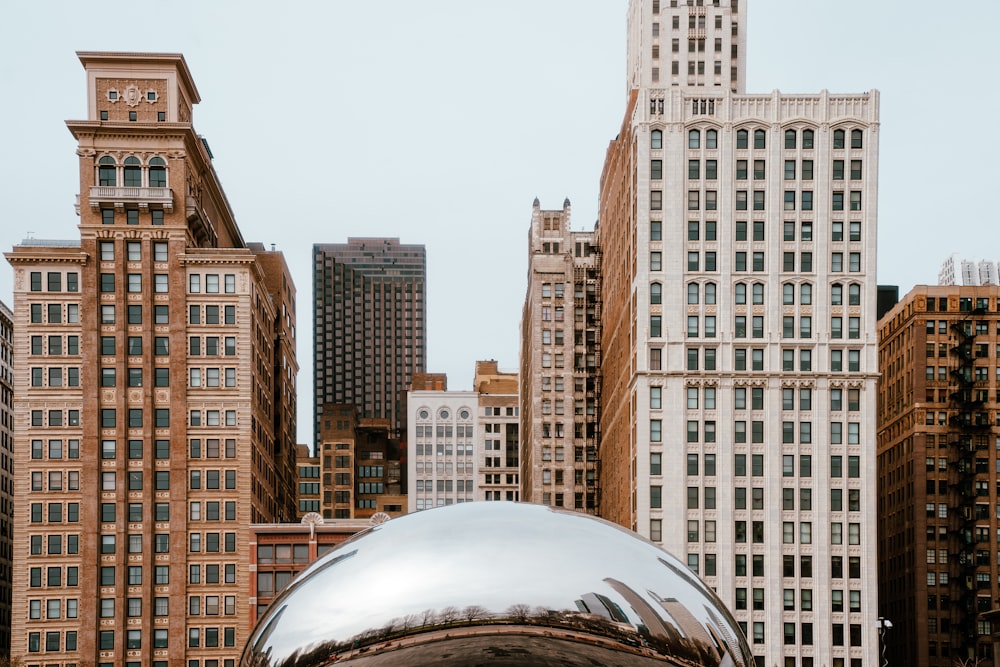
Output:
x=652 y=620
x=684 y=620
x=578 y=610
x=680 y=625
x=601 y=605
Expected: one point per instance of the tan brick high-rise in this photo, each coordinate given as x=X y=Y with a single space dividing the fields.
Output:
x=147 y=355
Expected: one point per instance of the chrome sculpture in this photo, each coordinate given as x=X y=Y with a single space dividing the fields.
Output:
x=496 y=584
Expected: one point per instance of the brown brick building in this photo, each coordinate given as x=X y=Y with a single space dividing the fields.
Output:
x=363 y=465
x=938 y=461
x=278 y=552
x=155 y=361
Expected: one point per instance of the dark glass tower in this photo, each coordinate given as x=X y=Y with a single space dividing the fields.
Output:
x=369 y=325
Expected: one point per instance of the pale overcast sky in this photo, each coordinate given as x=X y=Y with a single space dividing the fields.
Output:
x=440 y=121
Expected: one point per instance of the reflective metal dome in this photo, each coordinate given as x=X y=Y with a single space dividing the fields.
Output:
x=496 y=584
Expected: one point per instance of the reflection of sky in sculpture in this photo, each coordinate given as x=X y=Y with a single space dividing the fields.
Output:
x=495 y=555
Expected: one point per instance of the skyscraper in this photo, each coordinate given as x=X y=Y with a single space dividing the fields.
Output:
x=938 y=457
x=145 y=374
x=560 y=346
x=737 y=236
x=369 y=325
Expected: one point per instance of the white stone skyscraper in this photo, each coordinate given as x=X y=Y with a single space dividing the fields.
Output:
x=738 y=363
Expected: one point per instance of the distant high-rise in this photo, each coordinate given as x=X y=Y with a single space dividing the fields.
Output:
x=560 y=349
x=369 y=325
x=151 y=357
x=738 y=349
x=938 y=454
x=966 y=272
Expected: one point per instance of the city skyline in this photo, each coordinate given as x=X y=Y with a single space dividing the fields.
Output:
x=557 y=92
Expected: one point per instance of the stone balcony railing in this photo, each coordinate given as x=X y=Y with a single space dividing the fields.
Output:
x=102 y=196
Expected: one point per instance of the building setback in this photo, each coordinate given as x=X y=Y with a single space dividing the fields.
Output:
x=369 y=326
x=937 y=462
x=560 y=350
x=738 y=236
x=145 y=365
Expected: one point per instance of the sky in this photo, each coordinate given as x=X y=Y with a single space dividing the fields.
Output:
x=439 y=122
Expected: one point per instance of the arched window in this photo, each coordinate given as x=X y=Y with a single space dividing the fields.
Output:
x=759 y=139
x=157 y=173
x=856 y=139
x=692 y=292
x=854 y=294
x=788 y=294
x=836 y=294
x=741 y=293
x=742 y=138
x=694 y=139
x=790 y=138
x=656 y=139
x=838 y=138
x=807 y=138
x=656 y=293
x=806 y=294
x=711 y=139
x=758 y=293
x=133 y=172
x=710 y=293
x=106 y=171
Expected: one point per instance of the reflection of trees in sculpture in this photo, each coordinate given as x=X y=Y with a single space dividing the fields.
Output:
x=519 y=612
x=637 y=639
x=473 y=612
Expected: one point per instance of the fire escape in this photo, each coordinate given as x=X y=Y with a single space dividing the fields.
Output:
x=969 y=422
x=592 y=310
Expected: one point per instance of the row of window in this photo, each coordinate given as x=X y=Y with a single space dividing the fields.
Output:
x=445 y=485
x=54 y=281
x=197 y=637
x=54 y=313
x=445 y=431
x=788 y=395
x=161 y=314
x=55 y=608
x=108 y=216
x=788 y=290
x=55 y=345
x=793 y=170
x=133 y=251
x=212 y=418
x=743 y=139
x=211 y=283
x=742 y=201
x=132 y=173
x=758 y=264
x=55 y=544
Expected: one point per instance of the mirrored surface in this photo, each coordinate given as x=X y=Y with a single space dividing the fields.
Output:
x=496 y=584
